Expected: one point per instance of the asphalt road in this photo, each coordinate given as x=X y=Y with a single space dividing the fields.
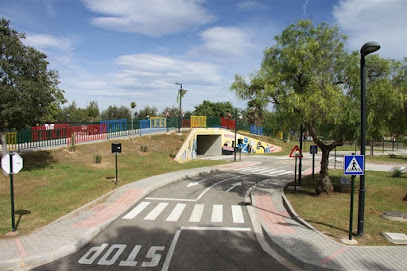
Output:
x=198 y=223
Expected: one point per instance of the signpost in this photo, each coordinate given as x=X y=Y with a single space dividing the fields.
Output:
x=296 y=152
x=116 y=148
x=313 y=149
x=12 y=163
x=353 y=165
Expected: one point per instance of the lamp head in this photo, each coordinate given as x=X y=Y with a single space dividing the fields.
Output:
x=369 y=47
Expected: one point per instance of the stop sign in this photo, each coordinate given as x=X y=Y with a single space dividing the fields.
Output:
x=17 y=163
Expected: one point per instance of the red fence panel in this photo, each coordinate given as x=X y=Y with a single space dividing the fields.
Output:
x=227 y=123
x=86 y=133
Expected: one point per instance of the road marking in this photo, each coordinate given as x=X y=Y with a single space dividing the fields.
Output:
x=195 y=228
x=199 y=197
x=237 y=214
x=174 y=242
x=138 y=209
x=156 y=211
x=234 y=185
x=197 y=213
x=176 y=213
x=195 y=183
x=171 y=251
x=217 y=213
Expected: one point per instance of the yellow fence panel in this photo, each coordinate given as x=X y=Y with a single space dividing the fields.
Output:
x=198 y=121
x=11 y=140
x=158 y=122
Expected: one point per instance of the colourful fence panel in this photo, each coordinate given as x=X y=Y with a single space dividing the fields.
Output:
x=158 y=122
x=213 y=122
x=48 y=131
x=198 y=121
x=186 y=123
x=11 y=141
x=256 y=130
x=227 y=123
x=85 y=133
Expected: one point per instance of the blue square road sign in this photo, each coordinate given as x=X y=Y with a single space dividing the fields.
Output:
x=354 y=165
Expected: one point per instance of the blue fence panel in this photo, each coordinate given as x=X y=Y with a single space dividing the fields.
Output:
x=256 y=130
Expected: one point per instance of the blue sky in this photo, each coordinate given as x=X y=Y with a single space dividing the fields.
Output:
x=118 y=51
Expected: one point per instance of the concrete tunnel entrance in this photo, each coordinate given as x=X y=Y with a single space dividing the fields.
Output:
x=209 y=145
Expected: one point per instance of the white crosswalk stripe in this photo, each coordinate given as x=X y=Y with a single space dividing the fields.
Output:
x=264 y=171
x=177 y=212
x=237 y=214
x=197 y=213
x=216 y=212
x=156 y=211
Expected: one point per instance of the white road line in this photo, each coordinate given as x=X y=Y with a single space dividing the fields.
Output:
x=217 y=213
x=171 y=250
x=171 y=199
x=176 y=213
x=138 y=209
x=284 y=173
x=197 y=213
x=196 y=228
x=237 y=214
x=156 y=211
x=270 y=170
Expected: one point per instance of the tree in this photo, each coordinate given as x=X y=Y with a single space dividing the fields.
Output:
x=115 y=113
x=210 y=109
x=29 y=90
x=148 y=111
x=93 y=110
x=300 y=75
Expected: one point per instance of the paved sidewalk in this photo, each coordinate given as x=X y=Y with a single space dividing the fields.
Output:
x=309 y=249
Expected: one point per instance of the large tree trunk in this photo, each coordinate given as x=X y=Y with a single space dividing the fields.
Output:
x=324 y=184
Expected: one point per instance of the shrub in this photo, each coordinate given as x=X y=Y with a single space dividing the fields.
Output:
x=72 y=147
x=97 y=158
x=143 y=148
x=397 y=173
x=172 y=155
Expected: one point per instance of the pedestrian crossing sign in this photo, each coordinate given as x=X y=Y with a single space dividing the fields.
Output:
x=354 y=164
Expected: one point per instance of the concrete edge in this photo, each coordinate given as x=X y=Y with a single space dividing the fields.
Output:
x=44 y=258
x=298 y=261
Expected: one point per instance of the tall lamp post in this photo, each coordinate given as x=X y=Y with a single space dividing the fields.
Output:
x=366 y=49
x=180 y=100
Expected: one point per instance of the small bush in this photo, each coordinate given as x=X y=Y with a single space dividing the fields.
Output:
x=182 y=138
x=172 y=155
x=72 y=147
x=397 y=173
x=97 y=159
x=143 y=148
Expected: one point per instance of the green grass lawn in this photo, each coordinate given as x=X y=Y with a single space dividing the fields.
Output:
x=330 y=214
x=56 y=182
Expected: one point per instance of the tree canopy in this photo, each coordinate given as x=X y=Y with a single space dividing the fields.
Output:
x=310 y=79
x=214 y=109
x=29 y=90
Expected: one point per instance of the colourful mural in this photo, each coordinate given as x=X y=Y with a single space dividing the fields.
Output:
x=188 y=150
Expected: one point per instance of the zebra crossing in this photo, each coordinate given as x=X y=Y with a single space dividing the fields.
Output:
x=216 y=213
x=272 y=172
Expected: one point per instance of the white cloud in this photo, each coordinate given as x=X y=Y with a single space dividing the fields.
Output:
x=249 y=5
x=44 y=41
x=149 y=17
x=375 y=20
x=223 y=42
x=157 y=72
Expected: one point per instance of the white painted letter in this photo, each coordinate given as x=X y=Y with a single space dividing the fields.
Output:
x=131 y=259
x=155 y=258
x=105 y=261
x=96 y=251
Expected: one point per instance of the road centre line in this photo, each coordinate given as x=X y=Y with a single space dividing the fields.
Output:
x=174 y=242
x=200 y=196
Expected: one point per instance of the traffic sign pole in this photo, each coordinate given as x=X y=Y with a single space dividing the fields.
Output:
x=13 y=223
x=351 y=206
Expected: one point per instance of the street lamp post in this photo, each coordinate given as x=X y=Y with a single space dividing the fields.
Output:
x=366 y=49
x=180 y=100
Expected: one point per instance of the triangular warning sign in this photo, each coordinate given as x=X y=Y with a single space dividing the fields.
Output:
x=296 y=152
x=353 y=166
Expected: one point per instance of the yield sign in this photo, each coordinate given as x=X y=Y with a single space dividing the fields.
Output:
x=296 y=152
